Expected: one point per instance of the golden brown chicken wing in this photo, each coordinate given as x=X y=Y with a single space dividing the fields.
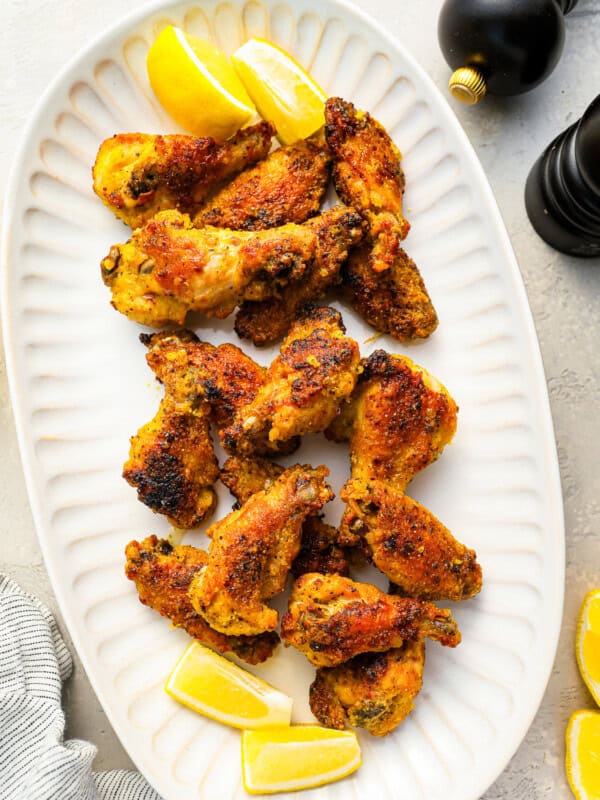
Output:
x=408 y=544
x=331 y=619
x=399 y=420
x=137 y=174
x=319 y=548
x=375 y=691
x=162 y=575
x=251 y=552
x=315 y=372
x=288 y=186
x=381 y=282
x=266 y=321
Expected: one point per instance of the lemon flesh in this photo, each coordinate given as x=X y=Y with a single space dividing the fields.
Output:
x=587 y=648
x=213 y=686
x=297 y=757
x=281 y=90
x=197 y=85
x=583 y=754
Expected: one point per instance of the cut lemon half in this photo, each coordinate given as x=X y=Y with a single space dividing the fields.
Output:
x=298 y=757
x=281 y=90
x=587 y=643
x=214 y=686
x=197 y=85
x=583 y=754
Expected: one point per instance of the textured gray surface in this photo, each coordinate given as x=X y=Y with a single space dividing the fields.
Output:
x=37 y=37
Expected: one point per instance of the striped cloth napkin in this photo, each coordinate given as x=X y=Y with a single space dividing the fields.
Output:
x=35 y=762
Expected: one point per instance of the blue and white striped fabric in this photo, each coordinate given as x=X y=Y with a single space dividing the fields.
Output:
x=35 y=762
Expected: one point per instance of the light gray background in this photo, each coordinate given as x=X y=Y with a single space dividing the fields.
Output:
x=37 y=37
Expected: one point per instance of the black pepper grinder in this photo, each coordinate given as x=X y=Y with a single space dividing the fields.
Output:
x=501 y=47
x=562 y=194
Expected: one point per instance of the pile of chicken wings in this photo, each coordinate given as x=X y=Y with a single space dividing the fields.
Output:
x=224 y=227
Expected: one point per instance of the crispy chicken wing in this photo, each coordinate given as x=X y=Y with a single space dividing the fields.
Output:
x=137 y=174
x=399 y=420
x=162 y=575
x=288 y=186
x=315 y=372
x=375 y=691
x=266 y=321
x=331 y=619
x=408 y=544
x=381 y=282
x=251 y=552
x=319 y=548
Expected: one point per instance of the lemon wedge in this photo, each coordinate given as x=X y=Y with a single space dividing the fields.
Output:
x=212 y=685
x=197 y=85
x=297 y=757
x=587 y=647
x=281 y=90
x=583 y=754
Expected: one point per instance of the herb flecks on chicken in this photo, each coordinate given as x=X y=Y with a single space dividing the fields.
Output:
x=251 y=552
x=331 y=619
x=304 y=386
x=162 y=575
x=138 y=174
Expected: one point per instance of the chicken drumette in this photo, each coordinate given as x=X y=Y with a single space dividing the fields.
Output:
x=251 y=552
x=375 y=691
x=331 y=619
x=382 y=283
x=304 y=387
x=162 y=575
x=138 y=174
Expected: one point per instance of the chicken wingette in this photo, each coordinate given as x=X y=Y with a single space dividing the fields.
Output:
x=251 y=552
x=304 y=386
x=138 y=174
x=319 y=548
x=408 y=543
x=162 y=575
x=381 y=282
x=168 y=267
x=375 y=691
x=288 y=186
x=331 y=619
x=398 y=421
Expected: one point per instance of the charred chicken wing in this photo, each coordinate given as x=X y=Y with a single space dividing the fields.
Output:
x=331 y=619
x=251 y=552
x=162 y=575
x=375 y=691
x=137 y=174
x=408 y=544
x=315 y=372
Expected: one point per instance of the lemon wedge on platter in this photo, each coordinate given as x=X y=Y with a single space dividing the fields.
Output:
x=197 y=85
x=583 y=754
x=297 y=757
x=216 y=687
x=587 y=643
x=281 y=90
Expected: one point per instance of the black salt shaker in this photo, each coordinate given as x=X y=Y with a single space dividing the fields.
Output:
x=562 y=194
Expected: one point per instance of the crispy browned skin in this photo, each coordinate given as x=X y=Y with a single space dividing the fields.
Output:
x=288 y=186
x=251 y=552
x=172 y=464
x=319 y=549
x=375 y=691
x=399 y=420
x=409 y=544
x=266 y=321
x=162 y=575
x=381 y=282
x=138 y=174
x=331 y=619
x=315 y=372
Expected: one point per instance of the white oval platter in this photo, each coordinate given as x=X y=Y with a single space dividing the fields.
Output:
x=80 y=388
